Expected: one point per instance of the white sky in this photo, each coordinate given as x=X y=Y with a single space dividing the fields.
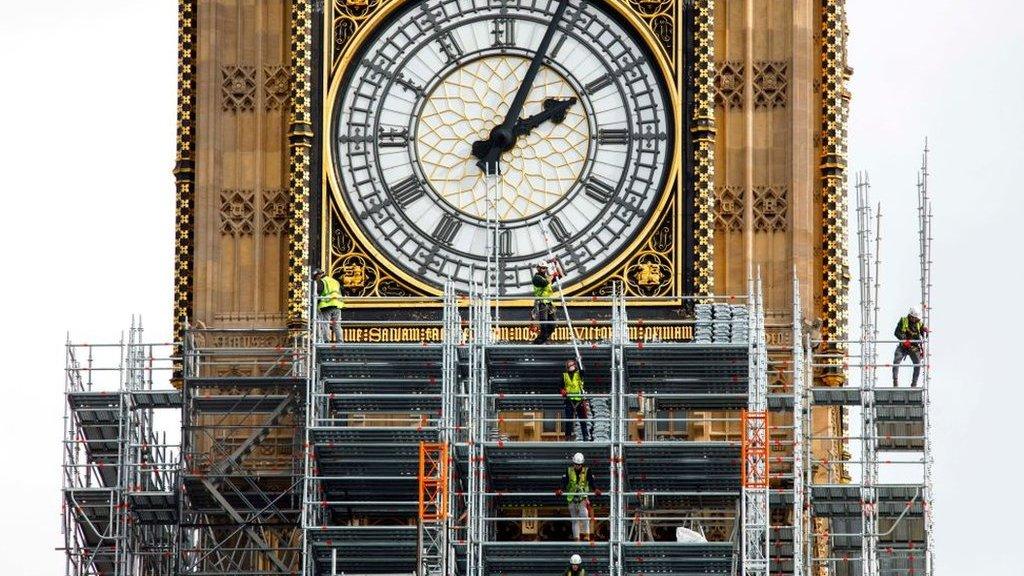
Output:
x=87 y=147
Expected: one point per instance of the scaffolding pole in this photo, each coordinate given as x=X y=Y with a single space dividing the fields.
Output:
x=869 y=337
x=924 y=212
x=799 y=497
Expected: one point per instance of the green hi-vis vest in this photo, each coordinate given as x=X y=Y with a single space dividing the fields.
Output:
x=578 y=487
x=914 y=332
x=573 y=385
x=544 y=293
x=569 y=572
x=330 y=296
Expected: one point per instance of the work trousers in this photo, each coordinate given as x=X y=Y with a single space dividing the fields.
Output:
x=545 y=313
x=329 y=325
x=902 y=352
x=577 y=410
x=579 y=515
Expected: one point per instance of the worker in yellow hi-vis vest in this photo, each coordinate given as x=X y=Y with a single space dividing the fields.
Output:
x=577 y=408
x=577 y=486
x=911 y=332
x=329 y=305
x=543 y=307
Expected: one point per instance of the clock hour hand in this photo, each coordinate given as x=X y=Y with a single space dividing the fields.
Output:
x=554 y=110
x=502 y=137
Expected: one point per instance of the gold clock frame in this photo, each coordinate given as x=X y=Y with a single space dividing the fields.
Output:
x=356 y=20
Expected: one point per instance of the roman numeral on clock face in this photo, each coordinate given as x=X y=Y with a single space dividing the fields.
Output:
x=406 y=191
x=558 y=229
x=504 y=32
x=393 y=138
x=505 y=243
x=446 y=229
x=598 y=83
x=613 y=136
x=599 y=190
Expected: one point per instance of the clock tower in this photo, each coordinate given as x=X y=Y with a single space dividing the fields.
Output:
x=669 y=146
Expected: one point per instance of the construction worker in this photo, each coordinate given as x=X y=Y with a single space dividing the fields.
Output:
x=576 y=406
x=543 y=308
x=575 y=566
x=576 y=485
x=912 y=333
x=329 y=305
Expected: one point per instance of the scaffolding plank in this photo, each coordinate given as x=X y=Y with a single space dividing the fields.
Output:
x=156 y=399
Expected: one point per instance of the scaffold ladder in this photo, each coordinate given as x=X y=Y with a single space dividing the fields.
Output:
x=433 y=509
x=754 y=457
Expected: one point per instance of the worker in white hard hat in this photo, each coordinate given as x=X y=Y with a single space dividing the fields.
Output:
x=575 y=566
x=911 y=332
x=544 y=277
x=576 y=487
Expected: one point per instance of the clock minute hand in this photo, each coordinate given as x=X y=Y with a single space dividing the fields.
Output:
x=531 y=73
x=501 y=137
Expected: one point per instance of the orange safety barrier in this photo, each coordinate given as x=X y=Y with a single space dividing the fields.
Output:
x=433 y=481
x=754 y=449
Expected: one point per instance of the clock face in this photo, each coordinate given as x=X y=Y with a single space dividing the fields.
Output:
x=583 y=175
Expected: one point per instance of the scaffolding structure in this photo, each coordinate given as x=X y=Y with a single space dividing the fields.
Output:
x=119 y=469
x=446 y=456
x=243 y=400
x=880 y=523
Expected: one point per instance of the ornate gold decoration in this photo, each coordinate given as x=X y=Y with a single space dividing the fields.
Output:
x=353 y=276
x=238 y=88
x=771 y=84
x=456 y=113
x=729 y=208
x=771 y=208
x=834 y=108
x=274 y=211
x=729 y=85
x=651 y=271
x=347 y=17
x=660 y=18
x=300 y=140
x=703 y=131
x=237 y=212
x=360 y=273
x=184 y=175
x=276 y=87
x=648 y=274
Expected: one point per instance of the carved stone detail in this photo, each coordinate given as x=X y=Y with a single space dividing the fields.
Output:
x=729 y=85
x=276 y=87
x=771 y=208
x=300 y=143
x=238 y=88
x=702 y=126
x=275 y=211
x=184 y=209
x=237 y=212
x=834 y=115
x=771 y=84
x=729 y=208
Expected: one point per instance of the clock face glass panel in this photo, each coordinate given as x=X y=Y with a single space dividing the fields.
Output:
x=579 y=182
